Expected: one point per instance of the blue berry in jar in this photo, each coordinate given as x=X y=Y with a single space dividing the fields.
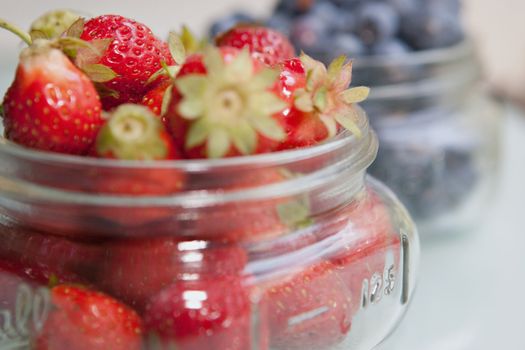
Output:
x=376 y=22
x=347 y=4
x=311 y=34
x=425 y=29
x=345 y=44
x=281 y=23
x=390 y=47
x=293 y=7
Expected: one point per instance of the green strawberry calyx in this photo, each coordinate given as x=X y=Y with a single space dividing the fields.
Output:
x=53 y=24
x=85 y=54
x=178 y=51
x=230 y=105
x=132 y=133
x=327 y=96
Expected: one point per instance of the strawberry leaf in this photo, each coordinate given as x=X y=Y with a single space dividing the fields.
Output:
x=335 y=67
x=330 y=124
x=177 y=49
x=1 y=111
x=76 y=29
x=356 y=95
x=294 y=213
x=99 y=73
x=321 y=99
x=37 y=34
x=244 y=137
x=347 y=120
x=104 y=91
x=218 y=143
x=270 y=128
x=165 y=71
x=197 y=134
x=166 y=99
x=303 y=101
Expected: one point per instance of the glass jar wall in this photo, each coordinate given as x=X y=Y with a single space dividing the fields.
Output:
x=292 y=250
x=439 y=133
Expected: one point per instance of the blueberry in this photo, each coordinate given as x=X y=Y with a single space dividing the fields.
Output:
x=226 y=23
x=338 y=20
x=390 y=47
x=431 y=29
x=407 y=6
x=311 y=34
x=377 y=21
x=347 y=4
x=345 y=44
x=345 y=22
x=453 y=6
x=293 y=7
x=280 y=23
x=326 y=11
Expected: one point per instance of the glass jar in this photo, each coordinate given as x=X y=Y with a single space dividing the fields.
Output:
x=439 y=134
x=291 y=250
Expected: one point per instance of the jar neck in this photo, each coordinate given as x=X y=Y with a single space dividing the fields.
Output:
x=419 y=81
x=203 y=199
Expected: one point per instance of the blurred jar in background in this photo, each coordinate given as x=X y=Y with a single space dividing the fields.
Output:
x=439 y=132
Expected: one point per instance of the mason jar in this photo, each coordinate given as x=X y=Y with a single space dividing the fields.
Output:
x=290 y=250
x=439 y=131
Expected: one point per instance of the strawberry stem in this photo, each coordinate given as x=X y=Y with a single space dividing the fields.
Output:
x=17 y=31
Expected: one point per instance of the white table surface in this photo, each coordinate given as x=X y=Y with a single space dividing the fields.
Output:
x=471 y=291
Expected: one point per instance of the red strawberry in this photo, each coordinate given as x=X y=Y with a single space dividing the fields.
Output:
x=369 y=250
x=213 y=312
x=240 y=221
x=51 y=105
x=267 y=45
x=134 y=133
x=229 y=110
x=157 y=99
x=85 y=319
x=309 y=310
x=135 y=271
x=42 y=258
x=322 y=102
x=134 y=55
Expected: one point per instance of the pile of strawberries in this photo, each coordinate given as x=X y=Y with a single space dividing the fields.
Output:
x=108 y=87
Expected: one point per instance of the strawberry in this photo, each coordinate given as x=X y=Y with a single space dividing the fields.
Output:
x=247 y=220
x=228 y=110
x=369 y=248
x=322 y=102
x=137 y=270
x=84 y=319
x=212 y=312
x=51 y=104
x=309 y=309
x=268 y=45
x=158 y=98
x=134 y=133
x=132 y=57
x=43 y=258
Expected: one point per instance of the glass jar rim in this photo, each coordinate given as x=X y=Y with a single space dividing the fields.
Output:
x=442 y=55
x=358 y=154
x=425 y=74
